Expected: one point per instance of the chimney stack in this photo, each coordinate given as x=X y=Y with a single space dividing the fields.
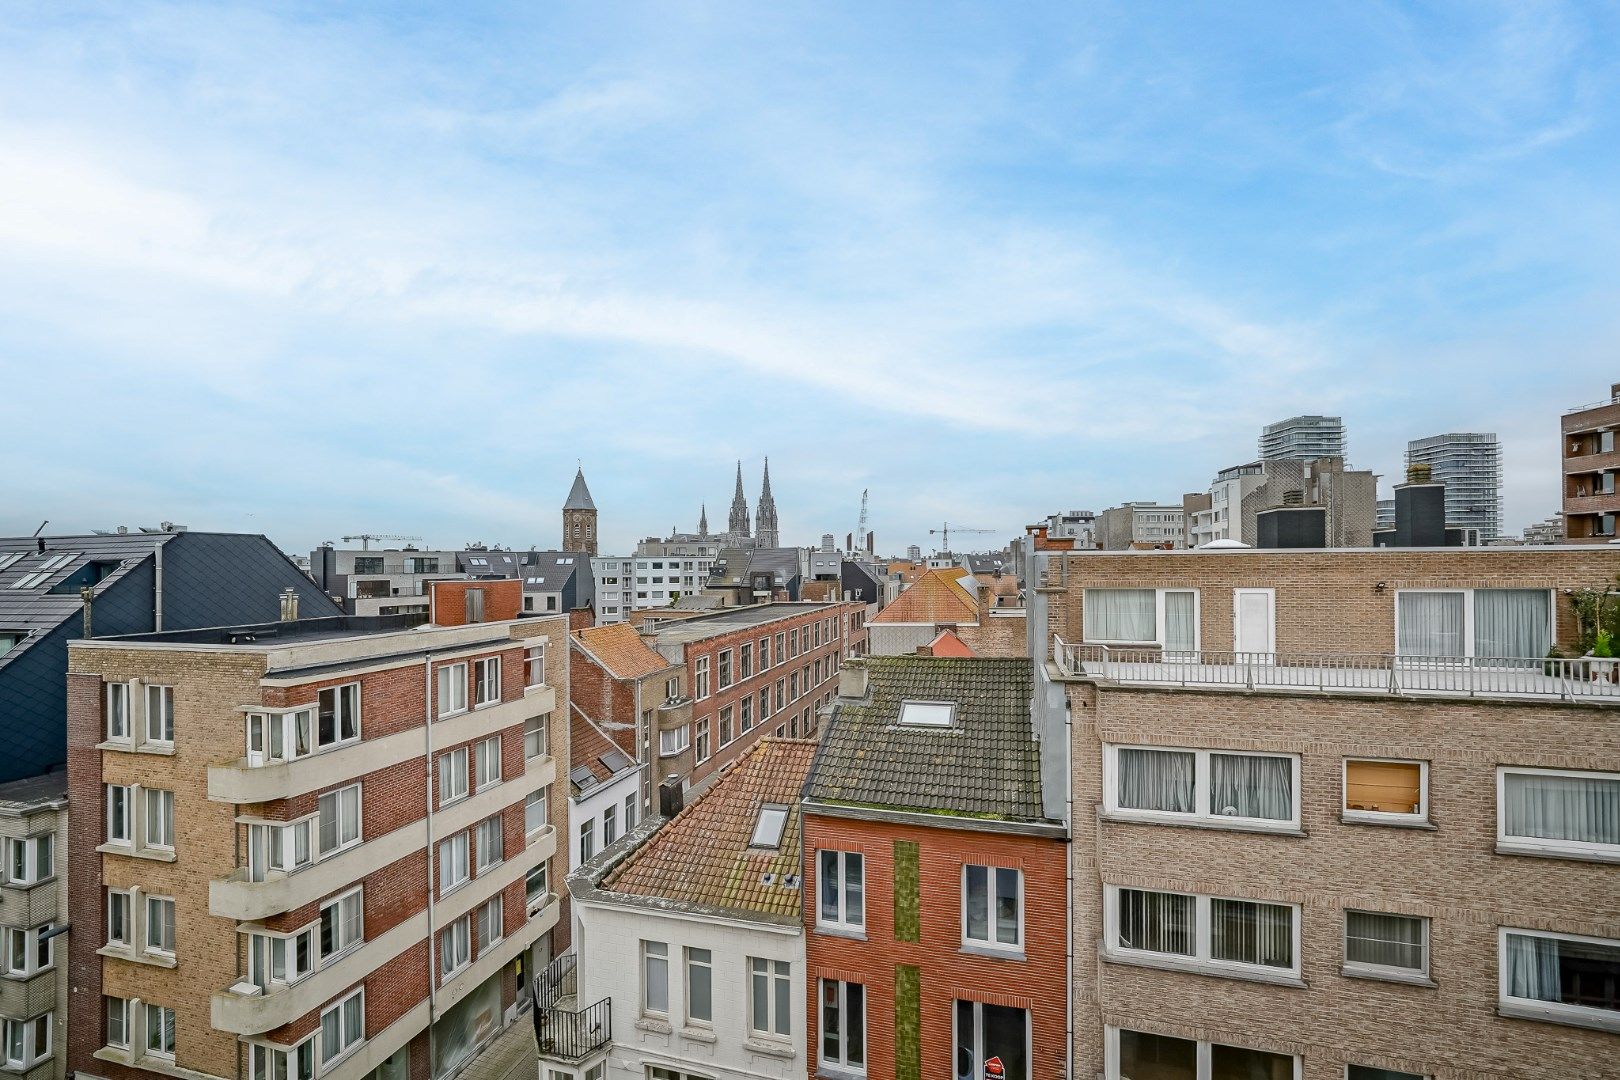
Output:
x=853 y=678
x=289 y=604
x=1418 y=473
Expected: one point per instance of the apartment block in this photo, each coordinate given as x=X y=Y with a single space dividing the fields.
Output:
x=1303 y=438
x=1338 y=815
x=1469 y=464
x=1142 y=525
x=33 y=922
x=935 y=881
x=1590 y=463
x=314 y=848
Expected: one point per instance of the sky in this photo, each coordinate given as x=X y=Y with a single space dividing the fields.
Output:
x=316 y=270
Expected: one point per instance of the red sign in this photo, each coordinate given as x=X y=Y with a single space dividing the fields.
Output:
x=994 y=1070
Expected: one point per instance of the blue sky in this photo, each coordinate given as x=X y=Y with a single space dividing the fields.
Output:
x=394 y=268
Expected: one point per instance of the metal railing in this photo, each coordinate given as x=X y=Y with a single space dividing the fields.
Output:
x=1583 y=677
x=568 y=1034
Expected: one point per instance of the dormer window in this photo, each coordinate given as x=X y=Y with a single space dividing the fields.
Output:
x=931 y=714
x=769 y=826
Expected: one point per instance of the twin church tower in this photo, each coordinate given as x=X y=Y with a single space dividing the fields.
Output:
x=579 y=516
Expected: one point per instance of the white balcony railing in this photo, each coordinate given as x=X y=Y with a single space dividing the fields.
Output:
x=1584 y=678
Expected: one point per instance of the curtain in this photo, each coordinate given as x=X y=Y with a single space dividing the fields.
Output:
x=1532 y=967
x=1180 y=623
x=1385 y=940
x=1119 y=615
x=1156 y=780
x=1430 y=624
x=1155 y=922
x=1253 y=787
x=1549 y=807
x=1250 y=933
x=1512 y=623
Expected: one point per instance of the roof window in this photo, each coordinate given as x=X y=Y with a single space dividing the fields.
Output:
x=768 y=828
x=8 y=558
x=934 y=714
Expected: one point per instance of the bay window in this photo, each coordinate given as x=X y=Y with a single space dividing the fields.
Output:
x=28 y=1042
x=674 y=740
x=274 y=1063
x=1208 y=933
x=1558 y=812
x=30 y=859
x=1218 y=787
x=275 y=959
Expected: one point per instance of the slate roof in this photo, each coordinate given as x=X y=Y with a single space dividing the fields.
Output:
x=579 y=496
x=620 y=649
x=701 y=857
x=936 y=597
x=985 y=765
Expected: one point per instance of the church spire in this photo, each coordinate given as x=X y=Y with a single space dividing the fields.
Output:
x=703 y=521
x=738 y=525
x=765 y=517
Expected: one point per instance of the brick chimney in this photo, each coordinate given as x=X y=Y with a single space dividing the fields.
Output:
x=853 y=679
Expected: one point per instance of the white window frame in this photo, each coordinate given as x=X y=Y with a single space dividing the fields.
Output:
x=282 y=1063
x=120 y=826
x=344 y=942
x=1200 y=814
x=543 y=802
x=777 y=976
x=1552 y=1011
x=450 y=690
x=458 y=870
x=453 y=783
x=1419 y=975
x=29 y=1031
x=1468 y=619
x=1544 y=846
x=700 y=678
x=537 y=738
x=340 y=1008
x=703 y=741
x=123 y=1023
x=125 y=692
x=481 y=832
x=292 y=972
x=159 y=1051
x=491 y=924
x=339 y=717
x=1158 y=616
x=359 y=821
x=165 y=696
x=841 y=1063
x=841 y=921
x=455 y=948
x=1205 y=1063
x=129 y=898
x=989 y=943
x=674 y=741
x=534 y=666
x=1202 y=959
x=1383 y=817
x=486 y=682
x=157 y=830
x=146 y=946
x=33 y=940
x=689 y=965
x=33 y=849
x=487 y=763
x=648 y=957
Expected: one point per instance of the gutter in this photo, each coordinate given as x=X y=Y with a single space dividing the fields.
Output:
x=1053 y=830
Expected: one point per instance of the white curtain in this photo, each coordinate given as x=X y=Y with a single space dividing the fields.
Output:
x=1156 y=780
x=1253 y=787
x=1251 y=933
x=1386 y=940
x=1582 y=808
x=1180 y=623
x=1532 y=967
x=1431 y=624
x=1155 y=921
x=1119 y=615
x=1512 y=623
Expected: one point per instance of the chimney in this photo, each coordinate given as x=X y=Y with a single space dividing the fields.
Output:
x=1418 y=473
x=670 y=799
x=853 y=679
x=1614 y=391
x=289 y=604
x=87 y=593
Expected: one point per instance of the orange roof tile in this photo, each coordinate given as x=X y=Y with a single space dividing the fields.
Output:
x=621 y=650
x=935 y=598
x=702 y=855
x=948 y=644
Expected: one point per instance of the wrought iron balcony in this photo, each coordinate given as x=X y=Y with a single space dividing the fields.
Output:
x=563 y=1032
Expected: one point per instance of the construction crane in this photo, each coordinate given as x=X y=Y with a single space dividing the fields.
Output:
x=366 y=539
x=944 y=533
x=860 y=530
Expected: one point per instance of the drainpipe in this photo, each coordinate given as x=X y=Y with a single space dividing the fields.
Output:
x=427 y=760
x=157 y=588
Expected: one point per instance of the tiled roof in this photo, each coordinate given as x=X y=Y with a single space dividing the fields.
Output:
x=701 y=856
x=621 y=650
x=936 y=597
x=949 y=645
x=598 y=752
x=986 y=764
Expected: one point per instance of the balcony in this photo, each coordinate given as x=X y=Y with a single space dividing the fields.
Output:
x=1374 y=673
x=563 y=1032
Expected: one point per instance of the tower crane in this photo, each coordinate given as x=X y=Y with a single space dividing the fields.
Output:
x=366 y=539
x=944 y=533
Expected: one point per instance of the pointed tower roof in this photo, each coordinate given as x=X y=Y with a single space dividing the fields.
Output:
x=737 y=524
x=579 y=496
x=765 y=488
x=703 y=520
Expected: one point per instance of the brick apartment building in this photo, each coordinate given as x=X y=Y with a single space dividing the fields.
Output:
x=637 y=696
x=1336 y=814
x=313 y=848
x=934 y=878
x=1590 y=463
x=752 y=671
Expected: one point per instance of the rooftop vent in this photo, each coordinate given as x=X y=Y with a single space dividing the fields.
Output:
x=1418 y=473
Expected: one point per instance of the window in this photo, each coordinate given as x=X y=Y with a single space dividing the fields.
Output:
x=764 y=704
x=160 y=715
x=339 y=819
x=536 y=887
x=1561 y=977
x=724 y=671
x=1202 y=932
x=117 y=712
x=274 y=1063
x=453 y=871
x=274 y=959
x=993 y=907
x=487 y=681
x=490 y=843
x=927 y=713
x=452 y=689
x=452 y=776
x=770 y=991
x=535 y=816
x=487 y=763
x=992 y=1031
x=337 y=710
x=120 y=917
x=781 y=642
x=674 y=740
x=368 y=564
x=655 y=978
x=343 y=1026
x=1381 y=944
x=116 y=1012
x=159 y=812
x=1546 y=812
x=25 y=952
x=491 y=923
x=781 y=699
x=841 y=886
x=1168 y=617
x=587 y=840
x=764 y=653
x=536 y=740
x=793 y=686
x=1164 y=1057
x=1211 y=786
x=1492 y=624
x=1378 y=790
x=342 y=924
x=768 y=827
x=703 y=740
x=629 y=812
x=699 y=987
x=747 y=712
x=843 y=1024
x=534 y=666
x=455 y=948
x=610 y=825
x=793 y=642
x=120 y=814
x=725 y=725
x=700 y=678
x=30 y=860
x=745 y=660
x=282 y=848
x=159 y=1031
x=160 y=924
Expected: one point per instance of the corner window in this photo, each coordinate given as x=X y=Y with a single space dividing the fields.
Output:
x=31 y=859
x=1558 y=812
x=841 y=887
x=1382 y=945
x=1389 y=791
x=1202 y=932
x=1220 y=787
x=993 y=907
x=842 y=1016
x=1561 y=977
x=25 y=952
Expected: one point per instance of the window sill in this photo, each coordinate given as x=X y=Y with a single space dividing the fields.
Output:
x=1284 y=829
x=1553 y=1015
x=768 y=1048
x=1412 y=978
x=154 y=854
x=654 y=1025
x=833 y=1072
x=1199 y=967
x=1349 y=818
x=26 y=976
x=842 y=932
x=136 y=748
x=973 y=948
x=150 y=959
x=1541 y=851
x=702 y=1035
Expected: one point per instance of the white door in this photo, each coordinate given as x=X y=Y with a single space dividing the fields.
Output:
x=1254 y=629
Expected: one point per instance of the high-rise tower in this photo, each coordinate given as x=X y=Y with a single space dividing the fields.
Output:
x=765 y=518
x=579 y=518
x=738 y=525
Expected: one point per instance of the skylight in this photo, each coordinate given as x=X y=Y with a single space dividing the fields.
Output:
x=927 y=713
x=7 y=558
x=768 y=829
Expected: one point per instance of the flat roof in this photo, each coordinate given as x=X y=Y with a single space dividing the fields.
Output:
x=1612 y=549
x=729 y=620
